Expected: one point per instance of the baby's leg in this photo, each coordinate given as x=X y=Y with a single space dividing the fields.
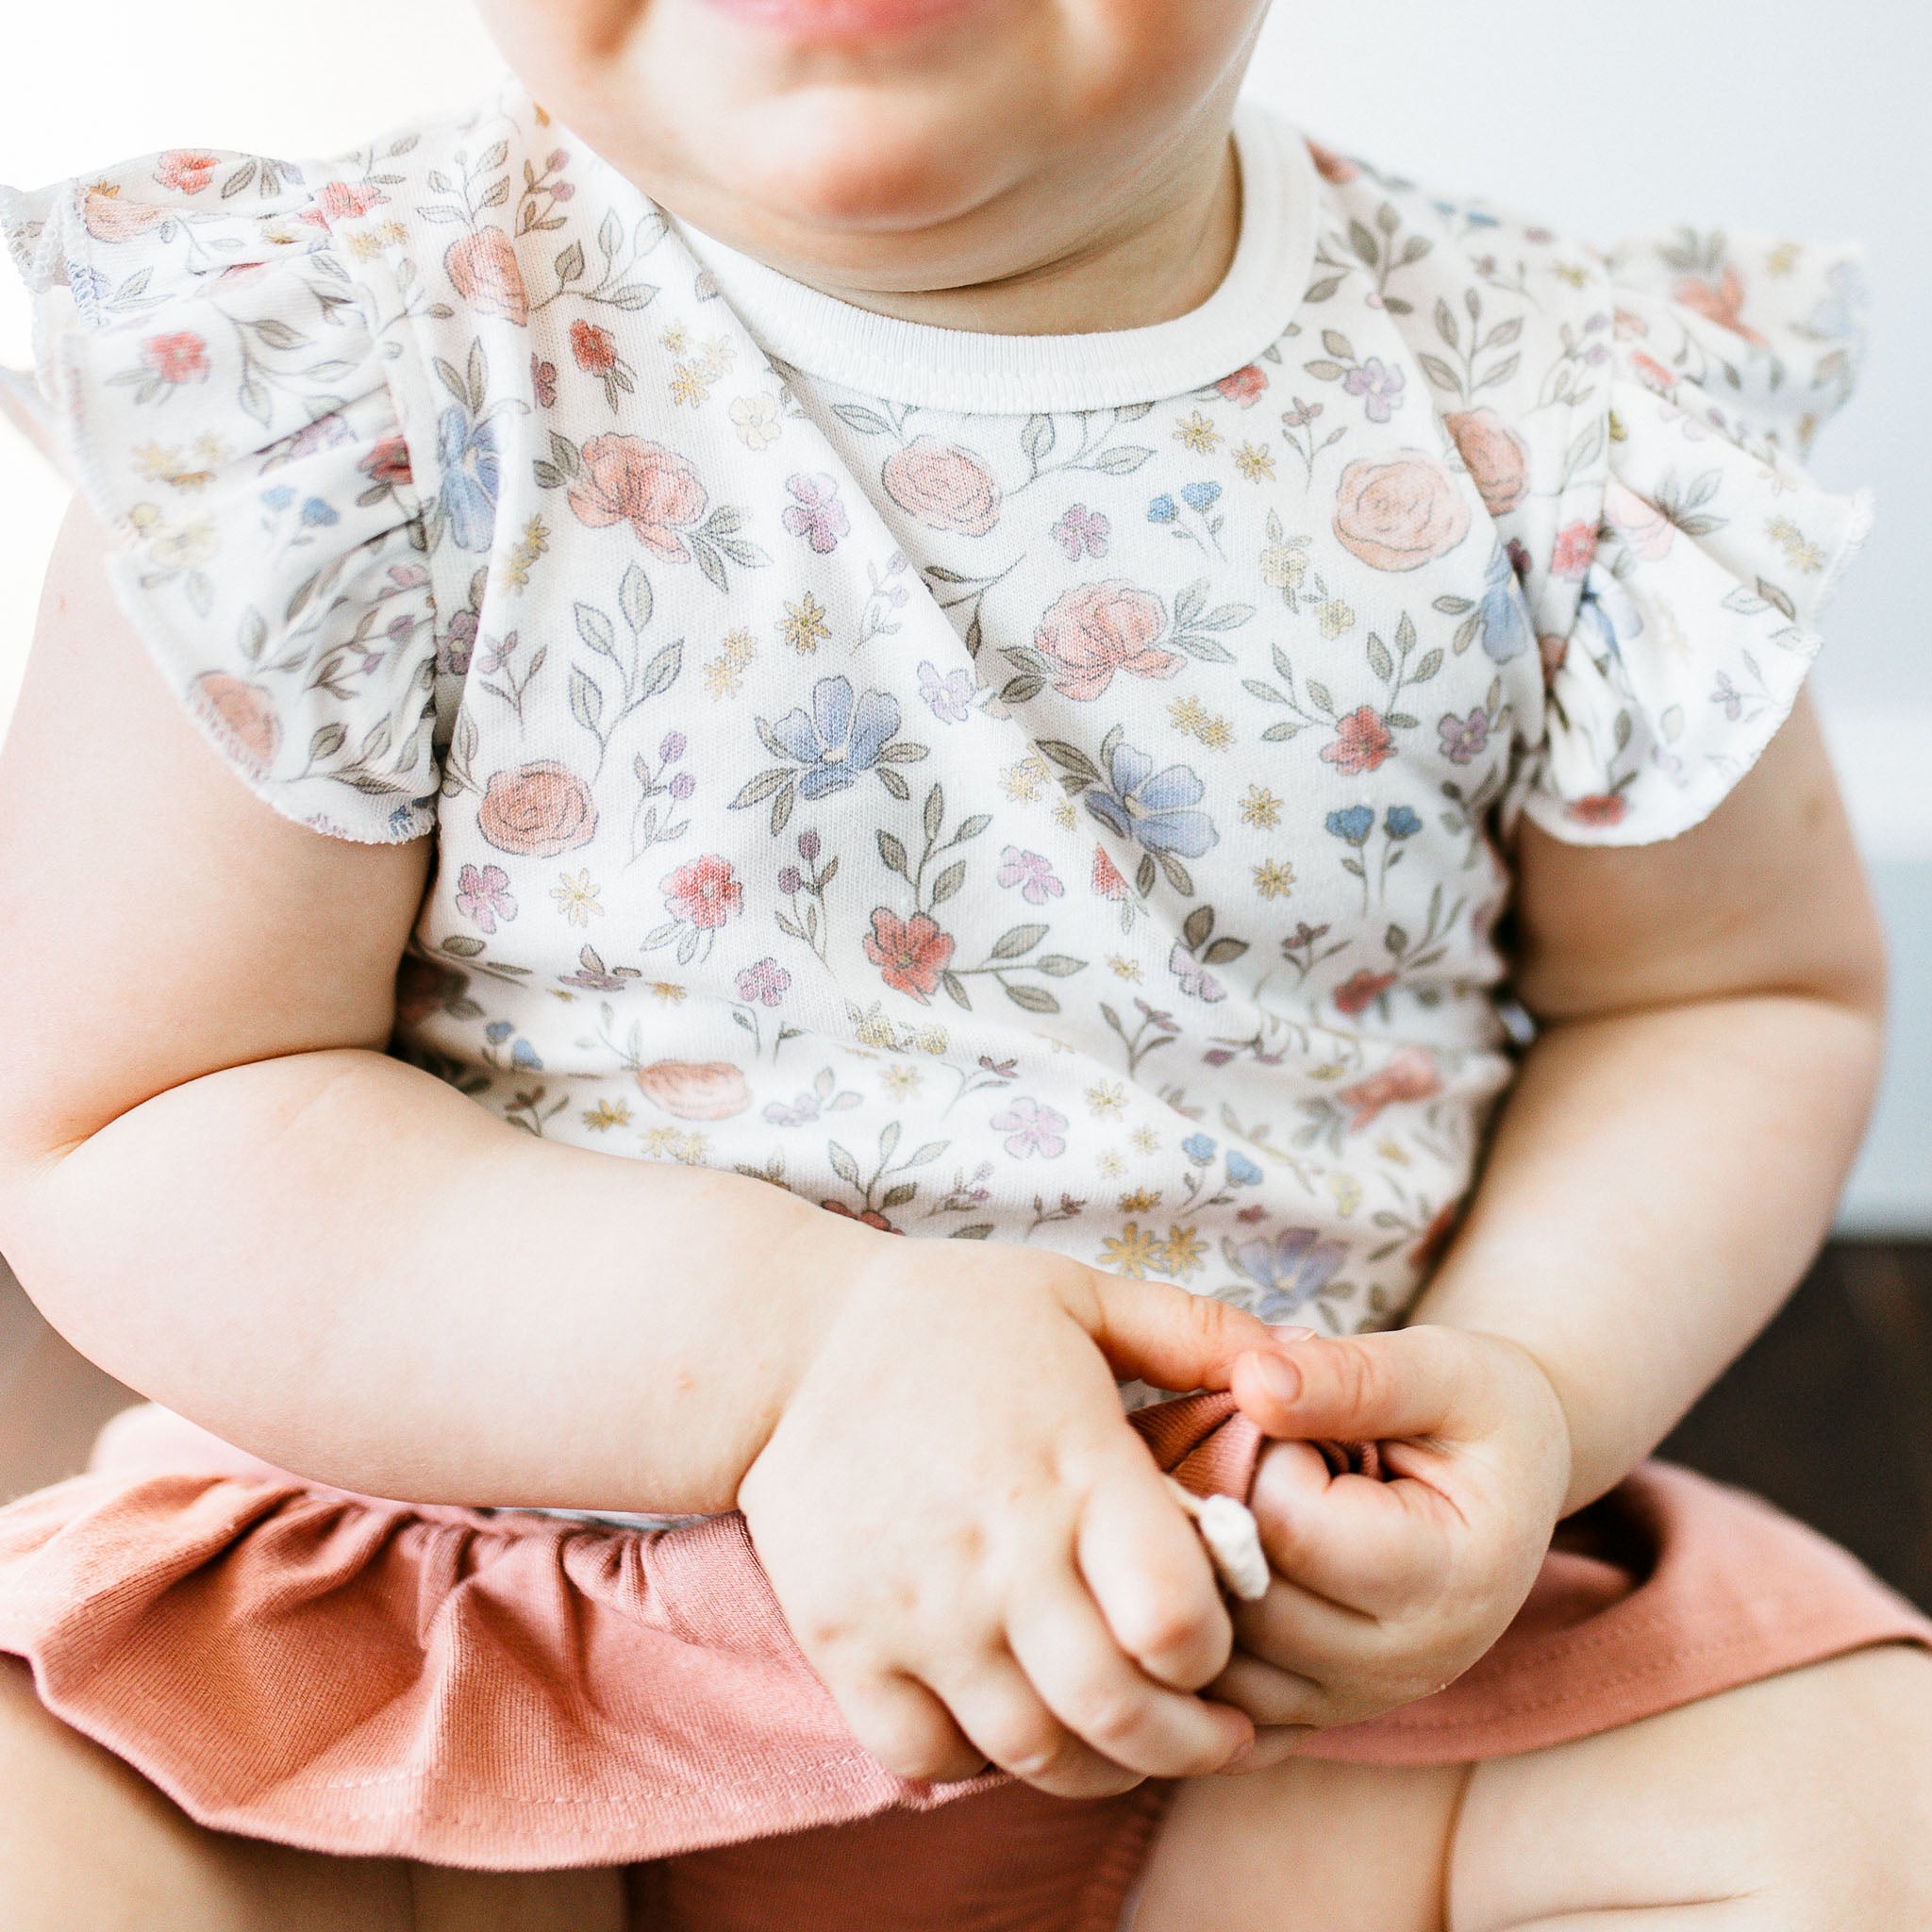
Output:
x=86 y=1845
x=1801 y=1804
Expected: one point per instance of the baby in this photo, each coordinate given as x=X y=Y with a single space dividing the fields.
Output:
x=909 y=618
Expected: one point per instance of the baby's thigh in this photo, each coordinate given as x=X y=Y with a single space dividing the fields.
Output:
x=1305 y=1847
x=89 y=1846
x=1799 y=1803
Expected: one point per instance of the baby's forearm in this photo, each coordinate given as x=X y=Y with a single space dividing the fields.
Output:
x=338 y=1263
x=1657 y=1183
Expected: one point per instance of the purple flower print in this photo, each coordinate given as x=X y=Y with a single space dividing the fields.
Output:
x=1195 y=978
x=764 y=984
x=1031 y=1128
x=1032 y=873
x=818 y=516
x=1380 y=384
x=483 y=897
x=949 y=698
x=1082 y=531
x=1464 y=739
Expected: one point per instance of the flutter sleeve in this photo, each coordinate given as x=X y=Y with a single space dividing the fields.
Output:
x=1714 y=552
x=209 y=377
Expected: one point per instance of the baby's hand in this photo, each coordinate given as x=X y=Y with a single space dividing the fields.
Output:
x=973 y=1549
x=1384 y=1591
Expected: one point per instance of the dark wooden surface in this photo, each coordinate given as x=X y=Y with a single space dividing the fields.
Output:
x=1829 y=1414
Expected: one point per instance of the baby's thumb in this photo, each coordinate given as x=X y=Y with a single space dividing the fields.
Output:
x=1366 y=1387
x=1154 y=1333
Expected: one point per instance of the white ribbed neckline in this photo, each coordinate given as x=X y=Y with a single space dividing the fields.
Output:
x=972 y=373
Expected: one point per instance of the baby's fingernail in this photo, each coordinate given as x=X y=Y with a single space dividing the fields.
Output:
x=1292 y=1335
x=1279 y=1378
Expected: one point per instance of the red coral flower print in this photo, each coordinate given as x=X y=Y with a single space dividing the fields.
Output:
x=870 y=1216
x=176 y=358
x=1356 y=995
x=703 y=892
x=1602 y=808
x=1410 y=1074
x=186 y=169
x=1245 y=387
x=1574 y=552
x=595 y=348
x=1651 y=372
x=543 y=382
x=1332 y=166
x=1720 y=302
x=1107 y=881
x=910 y=953
x=1362 y=742
x=388 y=462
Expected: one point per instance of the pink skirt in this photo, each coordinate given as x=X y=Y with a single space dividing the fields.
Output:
x=509 y=1691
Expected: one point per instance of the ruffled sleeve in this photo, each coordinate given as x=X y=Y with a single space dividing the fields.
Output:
x=1701 y=579
x=209 y=377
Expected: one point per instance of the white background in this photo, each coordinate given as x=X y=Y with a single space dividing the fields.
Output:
x=1770 y=114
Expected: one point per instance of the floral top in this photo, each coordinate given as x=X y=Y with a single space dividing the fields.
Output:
x=1049 y=789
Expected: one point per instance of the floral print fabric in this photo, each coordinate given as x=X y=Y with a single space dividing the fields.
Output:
x=1076 y=824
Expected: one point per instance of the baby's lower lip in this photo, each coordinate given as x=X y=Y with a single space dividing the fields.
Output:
x=848 y=19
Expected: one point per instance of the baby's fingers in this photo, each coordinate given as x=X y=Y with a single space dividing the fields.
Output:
x=1369 y=1547
x=1102 y=1697
x=908 y=1729
x=1149 y=1576
x=1009 y=1726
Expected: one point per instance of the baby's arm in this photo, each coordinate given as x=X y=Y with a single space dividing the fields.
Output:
x=215 y=1182
x=1661 y=1176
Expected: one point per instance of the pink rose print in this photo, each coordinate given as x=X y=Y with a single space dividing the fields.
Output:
x=186 y=169
x=1603 y=809
x=1574 y=552
x=1245 y=387
x=1362 y=742
x=764 y=984
x=242 y=716
x=1031 y=1128
x=1399 y=512
x=818 y=516
x=1081 y=531
x=628 y=480
x=176 y=358
x=484 y=897
x=1032 y=873
x=108 y=218
x=942 y=486
x=1410 y=1074
x=484 y=270
x=536 y=811
x=1643 y=527
x=705 y=892
x=695 y=1090
x=910 y=953
x=1498 y=458
x=338 y=201
x=1097 y=629
x=1361 y=992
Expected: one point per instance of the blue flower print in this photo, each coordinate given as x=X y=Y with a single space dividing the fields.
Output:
x=1242 y=1172
x=839 y=741
x=1163 y=509
x=1199 y=1148
x=1201 y=496
x=1608 y=618
x=1355 y=824
x=472 y=474
x=1402 y=823
x=1291 y=1270
x=1152 y=807
x=1504 y=622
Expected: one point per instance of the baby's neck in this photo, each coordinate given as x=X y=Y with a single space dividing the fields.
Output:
x=1165 y=258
